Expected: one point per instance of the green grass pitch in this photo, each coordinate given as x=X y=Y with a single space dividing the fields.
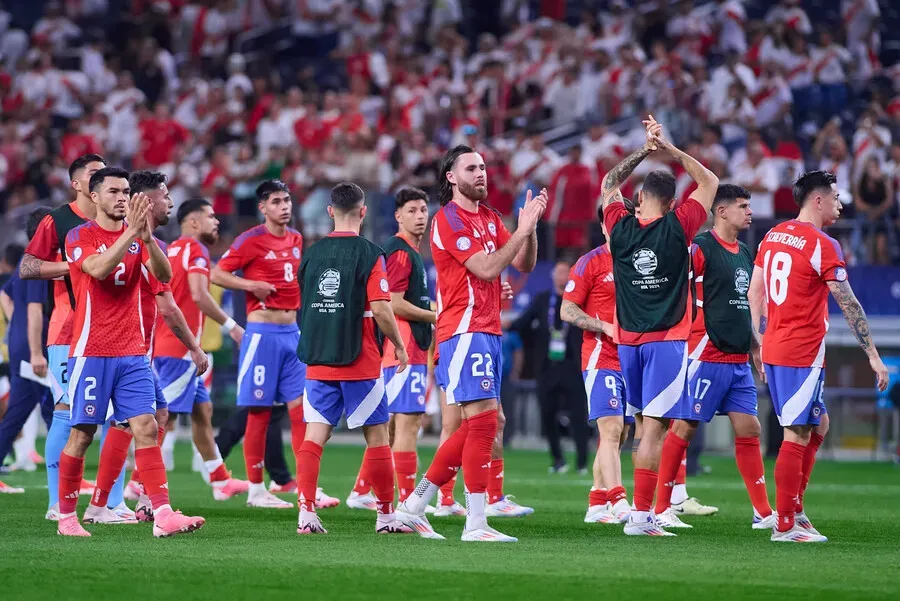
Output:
x=256 y=554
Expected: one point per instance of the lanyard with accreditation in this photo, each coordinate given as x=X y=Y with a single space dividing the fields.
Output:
x=557 y=349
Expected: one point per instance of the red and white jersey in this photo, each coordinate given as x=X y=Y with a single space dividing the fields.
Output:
x=592 y=288
x=799 y=70
x=829 y=62
x=265 y=257
x=108 y=316
x=186 y=256
x=150 y=288
x=399 y=272
x=466 y=303
x=798 y=260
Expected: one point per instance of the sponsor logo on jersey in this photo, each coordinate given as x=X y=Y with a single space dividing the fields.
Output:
x=492 y=229
x=101 y=249
x=329 y=283
x=463 y=243
x=741 y=281
x=270 y=256
x=90 y=409
x=296 y=252
x=76 y=253
x=134 y=249
x=644 y=261
x=486 y=384
x=840 y=274
x=570 y=286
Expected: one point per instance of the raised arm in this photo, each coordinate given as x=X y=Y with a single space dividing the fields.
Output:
x=573 y=314
x=707 y=182
x=859 y=325
x=526 y=258
x=488 y=267
x=612 y=181
x=100 y=265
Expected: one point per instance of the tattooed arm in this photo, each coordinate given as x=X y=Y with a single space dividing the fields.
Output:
x=859 y=325
x=175 y=321
x=618 y=174
x=573 y=314
x=707 y=182
x=32 y=268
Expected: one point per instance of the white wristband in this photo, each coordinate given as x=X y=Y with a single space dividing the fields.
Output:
x=229 y=324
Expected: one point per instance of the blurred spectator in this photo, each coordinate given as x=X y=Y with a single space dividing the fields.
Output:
x=876 y=214
x=759 y=176
x=573 y=195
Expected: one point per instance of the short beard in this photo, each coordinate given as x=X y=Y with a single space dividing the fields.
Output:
x=163 y=220
x=209 y=238
x=113 y=216
x=472 y=193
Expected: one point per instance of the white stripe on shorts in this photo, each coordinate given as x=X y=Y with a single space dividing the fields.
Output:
x=395 y=385
x=454 y=370
x=368 y=406
x=73 y=380
x=799 y=401
x=177 y=388
x=670 y=395
x=248 y=358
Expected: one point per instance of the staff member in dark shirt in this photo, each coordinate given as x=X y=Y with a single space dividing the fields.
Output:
x=557 y=349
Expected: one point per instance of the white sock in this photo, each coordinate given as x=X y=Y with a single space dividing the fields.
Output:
x=30 y=430
x=213 y=464
x=639 y=516
x=679 y=494
x=421 y=496
x=168 y=444
x=475 y=510
x=256 y=489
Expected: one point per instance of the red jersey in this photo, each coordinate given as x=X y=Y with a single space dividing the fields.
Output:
x=798 y=260
x=691 y=215
x=107 y=312
x=399 y=270
x=592 y=288
x=466 y=303
x=265 y=257
x=45 y=246
x=699 y=346
x=367 y=366
x=186 y=256
x=150 y=289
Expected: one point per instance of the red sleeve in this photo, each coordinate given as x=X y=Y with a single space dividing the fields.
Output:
x=834 y=269
x=691 y=215
x=612 y=214
x=457 y=239
x=156 y=287
x=198 y=262
x=236 y=257
x=503 y=234
x=80 y=244
x=698 y=260
x=581 y=279
x=377 y=287
x=398 y=271
x=44 y=245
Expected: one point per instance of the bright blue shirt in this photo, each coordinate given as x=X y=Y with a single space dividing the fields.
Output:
x=22 y=292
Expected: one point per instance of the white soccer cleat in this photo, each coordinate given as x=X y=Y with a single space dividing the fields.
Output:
x=266 y=500
x=797 y=534
x=767 y=523
x=52 y=513
x=25 y=465
x=430 y=510
x=620 y=511
x=597 y=514
x=693 y=507
x=6 y=489
x=393 y=527
x=104 y=515
x=323 y=501
x=801 y=520
x=446 y=511
x=507 y=508
x=486 y=534
x=123 y=512
x=132 y=491
x=418 y=523
x=365 y=502
x=649 y=527
x=308 y=523
x=668 y=519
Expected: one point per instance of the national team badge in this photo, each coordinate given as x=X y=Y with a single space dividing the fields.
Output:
x=840 y=274
x=76 y=253
x=134 y=249
x=614 y=403
x=816 y=411
x=463 y=244
x=486 y=384
x=421 y=399
x=90 y=410
x=697 y=407
x=200 y=262
x=492 y=228
x=570 y=286
x=258 y=393
x=296 y=252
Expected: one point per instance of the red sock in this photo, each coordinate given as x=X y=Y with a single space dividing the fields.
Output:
x=71 y=470
x=405 y=464
x=476 y=456
x=363 y=485
x=673 y=452
x=255 y=443
x=750 y=465
x=495 y=484
x=112 y=460
x=788 y=474
x=597 y=496
x=809 y=460
x=615 y=494
x=298 y=428
x=447 y=492
x=380 y=468
x=309 y=459
x=644 y=485
x=220 y=474
x=153 y=475
x=136 y=475
x=681 y=476
x=449 y=457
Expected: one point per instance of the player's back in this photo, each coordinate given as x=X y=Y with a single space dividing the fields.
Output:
x=797 y=260
x=591 y=281
x=186 y=256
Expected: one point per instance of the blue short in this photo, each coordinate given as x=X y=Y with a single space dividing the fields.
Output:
x=605 y=389
x=720 y=389
x=797 y=394
x=58 y=361
x=363 y=401
x=405 y=391
x=270 y=371
x=655 y=376
x=182 y=388
x=126 y=382
x=469 y=367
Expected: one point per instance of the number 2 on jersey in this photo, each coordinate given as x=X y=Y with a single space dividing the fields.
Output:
x=777 y=272
x=120 y=271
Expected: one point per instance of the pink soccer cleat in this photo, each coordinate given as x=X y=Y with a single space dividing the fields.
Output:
x=132 y=491
x=6 y=489
x=323 y=501
x=283 y=489
x=35 y=457
x=70 y=526
x=167 y=522
x=143 y=511
x=87 y=487
x=222 y=491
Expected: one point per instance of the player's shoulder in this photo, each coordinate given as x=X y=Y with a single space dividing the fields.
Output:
x=489 y=212
x=451 y=215
x=592 y=259
x=250 y=235
x=294 y=233
x=78 y=231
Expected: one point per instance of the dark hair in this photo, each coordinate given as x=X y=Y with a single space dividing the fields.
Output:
x=660 y=184
x=13 y=253
x=100 y=176
x=445 y=188
x=811 y=181
x=82 y=162
x=143 y=181
x=405 y=195
x=191 y=205
x=35 y=219
x=347 y=196
x=269 y=187
x=728 y=193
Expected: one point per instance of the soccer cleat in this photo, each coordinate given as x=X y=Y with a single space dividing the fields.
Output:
x=358 y=501
x=87 y=487
x=104 y=515
x=693 y=507
x=445 y=511
x=308 y=523
x=267 y=500
x=767 y=523
x=559 y=468
x=486 y=534
x=797 y=534
x=598 y=514
x=52 y=513
x=430 y=510
x=283 y=489
x=393 y=527
x=620 y=512
x=229 y=488
x=124 y=512
x=25 y=465
x=418 y=523
x=6 y=489
x=668 y=519
x=70 y=526
x=506 y=508
x=35 y=457
x=323 y=501
x=169 y=523
x=649 y=527
x=801 y=520
x=143 y=511
x=132 y=491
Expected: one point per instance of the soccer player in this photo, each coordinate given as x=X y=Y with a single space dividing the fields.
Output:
x=471 y=247
x=108 y=360
x=589 y=303
x=796 y=266
x=721 y=344
x=651 y=266
x=44 y=260
x=269 y=370
x=181 y=383
x=345 y=295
